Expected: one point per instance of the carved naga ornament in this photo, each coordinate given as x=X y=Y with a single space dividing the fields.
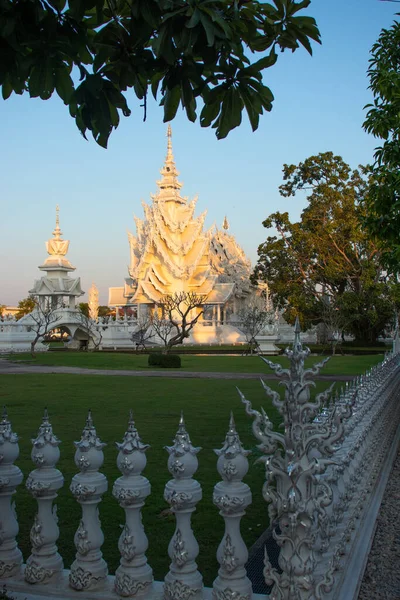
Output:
x=294 y=462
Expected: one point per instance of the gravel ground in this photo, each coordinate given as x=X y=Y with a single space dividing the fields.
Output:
x=382 y=575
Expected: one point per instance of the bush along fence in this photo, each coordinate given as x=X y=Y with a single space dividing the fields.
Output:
x=325 y=474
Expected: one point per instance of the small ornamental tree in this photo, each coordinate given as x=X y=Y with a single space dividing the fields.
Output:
x=94 y=54
x=252 y=320
x=41 y=321
x=92 y=329
x=176 y=316
x=143 y=332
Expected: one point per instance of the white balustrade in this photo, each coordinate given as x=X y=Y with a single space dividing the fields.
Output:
x=183 y=581
x=232 y=497
x=89 y=569
x=10 y=477
x=134 y=577
x=43 y=483
x=324 y=476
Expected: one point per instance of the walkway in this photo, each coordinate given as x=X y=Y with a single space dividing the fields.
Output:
x=15 y=368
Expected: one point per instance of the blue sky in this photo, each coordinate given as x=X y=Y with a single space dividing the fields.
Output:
x=44 y=160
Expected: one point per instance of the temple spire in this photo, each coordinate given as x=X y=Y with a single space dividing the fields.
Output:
x=169 y=184
x=169 y=143
x=57 y=249
x=225 y=224
x=57 y=233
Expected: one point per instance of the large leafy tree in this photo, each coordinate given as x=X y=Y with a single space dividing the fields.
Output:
x=383 y=121
x=325 y=262
x=25 y=306
x=210 y=53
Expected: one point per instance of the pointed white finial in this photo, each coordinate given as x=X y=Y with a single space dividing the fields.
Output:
x=89 y=420
x=182 y=426
x=57 y=231
x=232 y=426
x=169 y=143
x=297 y=331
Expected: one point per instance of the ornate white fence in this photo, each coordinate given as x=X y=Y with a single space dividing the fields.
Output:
x=324 y=476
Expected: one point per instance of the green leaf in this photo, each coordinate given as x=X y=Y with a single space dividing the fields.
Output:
x=208 y=28
x=6 y=89
x=231 y=113
x=41 y=80
x=252 y=105
x=194 y=20
x=64 y=84
x=171 y=102
x=209 y=112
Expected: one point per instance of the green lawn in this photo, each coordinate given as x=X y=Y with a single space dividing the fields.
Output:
x=342 y=365
x=157 y=404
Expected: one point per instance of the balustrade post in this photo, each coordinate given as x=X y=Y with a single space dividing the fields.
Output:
x=183 y=581
x=232 y=497
x=134 y=576
x=89 y=569
x=10 y=477
x=43 y=483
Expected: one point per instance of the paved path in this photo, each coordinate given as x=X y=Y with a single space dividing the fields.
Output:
x=21 y=368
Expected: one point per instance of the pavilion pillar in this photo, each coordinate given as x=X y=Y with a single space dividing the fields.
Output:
x=71 y=302
x=214 y=313
x=218 y=314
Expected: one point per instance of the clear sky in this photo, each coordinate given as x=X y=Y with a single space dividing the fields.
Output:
x=44 y=160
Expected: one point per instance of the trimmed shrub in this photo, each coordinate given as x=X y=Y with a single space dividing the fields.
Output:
x=167 y=361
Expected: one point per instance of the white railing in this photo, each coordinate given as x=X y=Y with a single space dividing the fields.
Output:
x=324 y=474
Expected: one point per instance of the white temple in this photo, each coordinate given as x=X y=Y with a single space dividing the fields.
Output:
x=171 y=253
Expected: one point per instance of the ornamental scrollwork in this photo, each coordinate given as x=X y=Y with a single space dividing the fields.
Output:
x=125 y=497
x=228 y=504
x=230 y=470
x=126 y=465
x=177 y=590
x=127 y=586
x=7 y=569
x=82 y=542
x=36 y=488
x=126 y=545
x=178 y=499
x=83 y=463
x=82 y=580
x=35 y=533
x=4 y=482
x=39 y=459
x=180 y=554
x=82 y=492
x=177 y=467
x=228 y=561
x=34 y=573
x=229 y=594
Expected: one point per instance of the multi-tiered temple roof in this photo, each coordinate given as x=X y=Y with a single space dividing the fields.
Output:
x=170 y=251
x=57 y=282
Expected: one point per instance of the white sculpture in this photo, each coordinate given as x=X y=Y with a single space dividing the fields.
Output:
x=93 y=302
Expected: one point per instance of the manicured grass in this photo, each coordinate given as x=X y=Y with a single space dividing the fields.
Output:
x=337 y=365
x=156 y=404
